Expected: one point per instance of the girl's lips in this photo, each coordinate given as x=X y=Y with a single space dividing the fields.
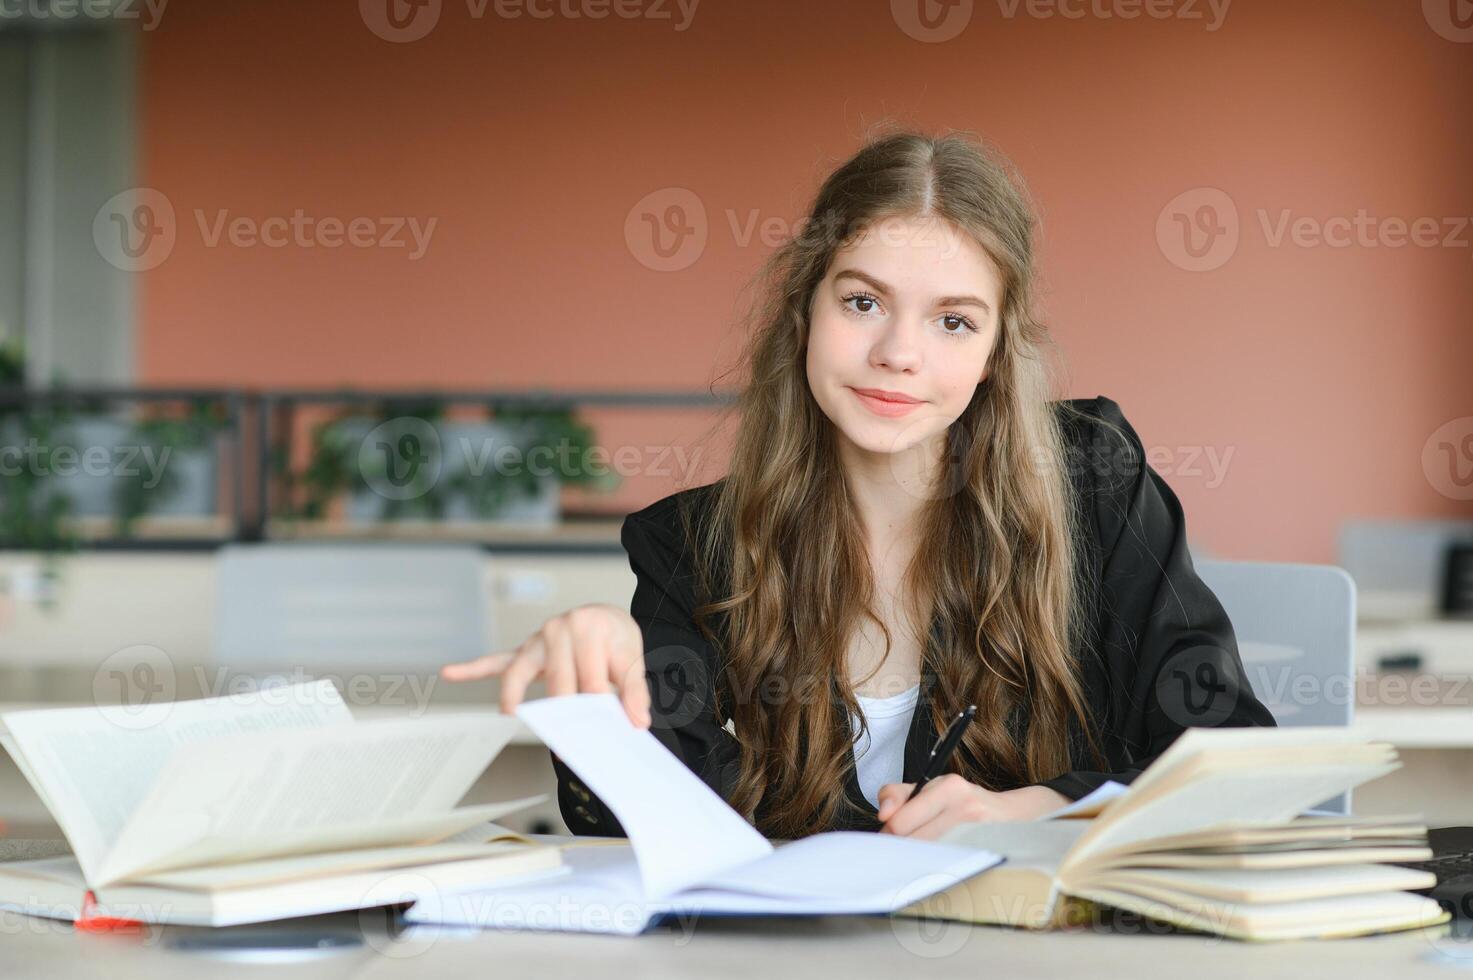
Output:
x=886 y=409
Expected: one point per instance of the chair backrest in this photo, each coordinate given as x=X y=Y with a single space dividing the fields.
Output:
x=396 y=607
x=1295 y=627
x=1398 y=564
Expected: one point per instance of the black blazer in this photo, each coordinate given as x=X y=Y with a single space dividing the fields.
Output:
x=1164 y=656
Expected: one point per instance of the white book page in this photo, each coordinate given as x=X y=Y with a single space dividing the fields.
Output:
x=601 y=893
x=681 y=830
x=1091 y=803
x=489 y=831
x=224 y=853
x=1225 y=797
x=1026 y=843
x=1271 y=884
x=251 y=790
x=304 y=867
x=19 y=758
x=838 y=872
x=853 y=870
x=1195 y=740
x=91 y=766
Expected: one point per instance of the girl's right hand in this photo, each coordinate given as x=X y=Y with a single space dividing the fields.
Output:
x=588 y=649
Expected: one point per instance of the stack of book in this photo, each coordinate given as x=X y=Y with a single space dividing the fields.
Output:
x=1212 y=837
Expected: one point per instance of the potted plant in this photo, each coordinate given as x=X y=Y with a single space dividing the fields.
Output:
x=406 y=460
x=179 y=471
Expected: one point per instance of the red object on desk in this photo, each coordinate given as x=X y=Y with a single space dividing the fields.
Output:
x=87 y=922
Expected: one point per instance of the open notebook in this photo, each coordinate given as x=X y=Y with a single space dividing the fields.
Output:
x=688 y=852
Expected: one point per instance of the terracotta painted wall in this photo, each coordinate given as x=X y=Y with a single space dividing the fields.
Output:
x=1313 y=374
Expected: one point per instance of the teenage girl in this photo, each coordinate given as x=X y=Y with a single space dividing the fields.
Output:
x=909 y=524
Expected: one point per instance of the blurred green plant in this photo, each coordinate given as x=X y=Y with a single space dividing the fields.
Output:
x=35 y=511
x=336 y=468
x=133 y=497
x=32 y=516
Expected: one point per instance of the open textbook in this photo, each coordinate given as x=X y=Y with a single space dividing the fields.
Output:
x=1211 y=837
x=688 y=852
x=252 y=807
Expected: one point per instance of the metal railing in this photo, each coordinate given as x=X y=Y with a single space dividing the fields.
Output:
x=259 y=429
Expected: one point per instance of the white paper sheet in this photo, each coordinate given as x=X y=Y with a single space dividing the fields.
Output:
x=1104 y=793
x=690 y=852
x=681 y=831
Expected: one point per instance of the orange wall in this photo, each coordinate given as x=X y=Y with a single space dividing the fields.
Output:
x=1321 y=370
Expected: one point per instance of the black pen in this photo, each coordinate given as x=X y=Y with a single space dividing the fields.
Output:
x=941 y=751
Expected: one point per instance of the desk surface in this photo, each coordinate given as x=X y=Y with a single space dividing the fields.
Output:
x=744 y=948
x=858 y=947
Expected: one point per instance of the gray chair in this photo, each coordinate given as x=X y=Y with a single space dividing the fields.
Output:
x=1398 y=565
x=395 y=607
x=1295 y=626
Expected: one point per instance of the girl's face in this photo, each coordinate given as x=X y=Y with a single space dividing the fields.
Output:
x=909 y=309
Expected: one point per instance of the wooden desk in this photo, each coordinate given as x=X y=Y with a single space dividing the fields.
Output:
x=828 y=946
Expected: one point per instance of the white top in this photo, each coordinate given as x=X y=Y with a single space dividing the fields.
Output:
x=879 y=757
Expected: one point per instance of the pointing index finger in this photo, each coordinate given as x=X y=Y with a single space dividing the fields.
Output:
x=470 y=670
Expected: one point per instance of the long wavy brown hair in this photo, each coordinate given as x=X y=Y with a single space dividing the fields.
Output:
x=783 y=563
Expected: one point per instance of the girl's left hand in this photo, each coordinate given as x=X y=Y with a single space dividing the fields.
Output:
x=949 y=800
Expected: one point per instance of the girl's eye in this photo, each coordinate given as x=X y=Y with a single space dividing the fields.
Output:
x=865 y=304
x=968 y=324
x=862 y=298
